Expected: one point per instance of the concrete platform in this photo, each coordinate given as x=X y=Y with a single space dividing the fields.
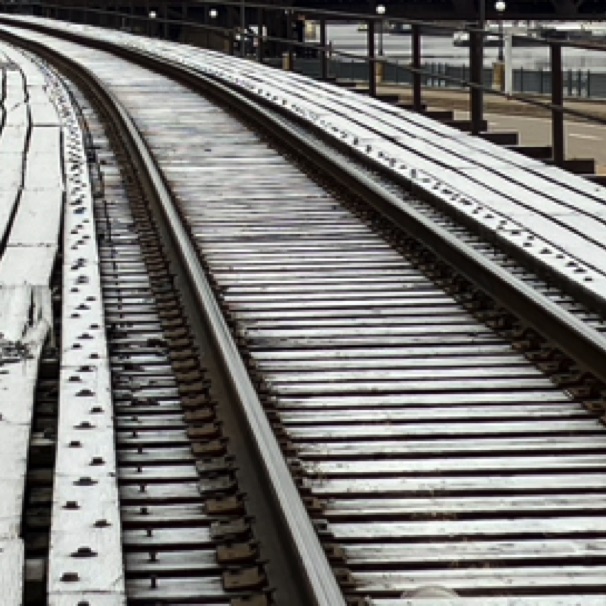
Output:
x=41 y=195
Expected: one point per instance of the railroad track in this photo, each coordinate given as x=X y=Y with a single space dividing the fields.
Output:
x=439 y=442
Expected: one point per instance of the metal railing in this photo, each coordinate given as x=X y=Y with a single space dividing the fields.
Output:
x=578 y=83
x=228 y=26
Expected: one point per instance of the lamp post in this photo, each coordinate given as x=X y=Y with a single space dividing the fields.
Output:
x=243 y=36
x=150 y=23
x=211 y=33
x=476 y=70
x=380 y=11
x=500 y=7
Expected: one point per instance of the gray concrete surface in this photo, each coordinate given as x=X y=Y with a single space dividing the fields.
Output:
x=583 y=139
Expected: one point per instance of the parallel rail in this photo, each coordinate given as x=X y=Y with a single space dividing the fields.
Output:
x=551 y=321
x=315 y=583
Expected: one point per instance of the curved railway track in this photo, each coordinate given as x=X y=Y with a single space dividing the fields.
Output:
x=437 y=437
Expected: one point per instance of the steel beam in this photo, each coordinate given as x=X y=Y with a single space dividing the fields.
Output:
x=372 y=73
x=557 y=101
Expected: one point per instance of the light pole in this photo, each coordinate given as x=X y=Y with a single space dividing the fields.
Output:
x=380 y=11
x=211 y=33
x=243 y=37
x=151 y=26
x=476 y=70
x=500 y=7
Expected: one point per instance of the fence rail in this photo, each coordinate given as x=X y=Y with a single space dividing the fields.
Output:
x=578 y=84
x=226 y=25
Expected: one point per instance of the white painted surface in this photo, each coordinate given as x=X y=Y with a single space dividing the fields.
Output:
x=15 y=87
x=12 y=140
x=15 y=438
x=38 y=218
x=8 y=200
x=27 y=265
x=25 y=297
x=45 y=140
x=42 y=110
x=15 y=105
x=17 y=306
x=85 y=428
x=25 y=316
x=85 y=422
x=43 y=114
x=43 y=169
x=11 y=567
x=16 y=116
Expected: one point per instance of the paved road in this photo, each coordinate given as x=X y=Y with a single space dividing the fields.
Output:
x=582 y=140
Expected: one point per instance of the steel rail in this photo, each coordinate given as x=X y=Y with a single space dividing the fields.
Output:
x=319 y=587
x=581 y=343
x=584 y=345
x=583 y=295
